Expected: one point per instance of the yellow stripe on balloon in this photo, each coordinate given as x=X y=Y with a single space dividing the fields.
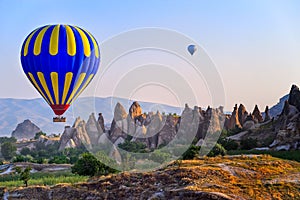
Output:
x=68 y=80
x=78 y=83
x=71 y=43
x=38 y=41
x=53 y=45
x=54 y=80
x=95 y=45
x=27 y=43
x=83 y=87
x=37 y=86
x=85 y=41
x=45 y=87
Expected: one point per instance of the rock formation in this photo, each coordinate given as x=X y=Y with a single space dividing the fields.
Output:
x=267 y=116
x=75 y=136
x=249 y=122
x=287 y=128
x=153 y=128
x=257 y=115
x=168 y=130
x=119 y=125
x=101 y=121
x=282 y=133
x=25 y=130
x=93 y=129
x=294 y=97
x=135 y=110
x=234 y=119
x=242 y=114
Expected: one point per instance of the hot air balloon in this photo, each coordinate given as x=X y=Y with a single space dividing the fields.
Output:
x=60 y=61
x=192 y=49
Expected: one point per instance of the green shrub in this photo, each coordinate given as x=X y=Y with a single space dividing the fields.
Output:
x=37 y=135
x=191 y=152
x=89 y=165
x=218 y=149
x=59 y=160
x=21 y=158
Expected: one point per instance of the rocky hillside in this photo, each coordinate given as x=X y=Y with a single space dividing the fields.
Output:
x=219 y=178
x=277 y=133
x=25 y=130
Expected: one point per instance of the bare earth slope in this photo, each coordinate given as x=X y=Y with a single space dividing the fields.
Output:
x=219 y=178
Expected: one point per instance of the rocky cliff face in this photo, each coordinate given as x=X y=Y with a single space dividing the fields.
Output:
x=25 y=130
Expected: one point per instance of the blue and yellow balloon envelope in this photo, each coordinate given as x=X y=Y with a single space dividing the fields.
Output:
x=60 y=61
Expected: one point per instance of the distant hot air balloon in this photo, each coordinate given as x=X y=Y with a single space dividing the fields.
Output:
x=60 y=61
x=192 y=49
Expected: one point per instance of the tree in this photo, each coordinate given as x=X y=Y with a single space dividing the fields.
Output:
x=37 y=135
x=8 y=150
x=89 y=165
x=24 y=175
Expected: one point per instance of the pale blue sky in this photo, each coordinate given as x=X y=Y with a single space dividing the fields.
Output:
x=255 y=44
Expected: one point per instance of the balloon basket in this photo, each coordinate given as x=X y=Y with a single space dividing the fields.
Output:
x=59 y=119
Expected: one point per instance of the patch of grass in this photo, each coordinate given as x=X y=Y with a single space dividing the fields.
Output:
x=40 y=178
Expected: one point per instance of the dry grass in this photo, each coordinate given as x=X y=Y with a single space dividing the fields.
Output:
x=244 y=177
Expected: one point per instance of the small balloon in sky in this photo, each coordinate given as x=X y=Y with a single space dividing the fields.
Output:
x=60 y=61
x=192 y=49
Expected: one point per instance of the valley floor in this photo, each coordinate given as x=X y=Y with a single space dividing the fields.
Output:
x=221 y=178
